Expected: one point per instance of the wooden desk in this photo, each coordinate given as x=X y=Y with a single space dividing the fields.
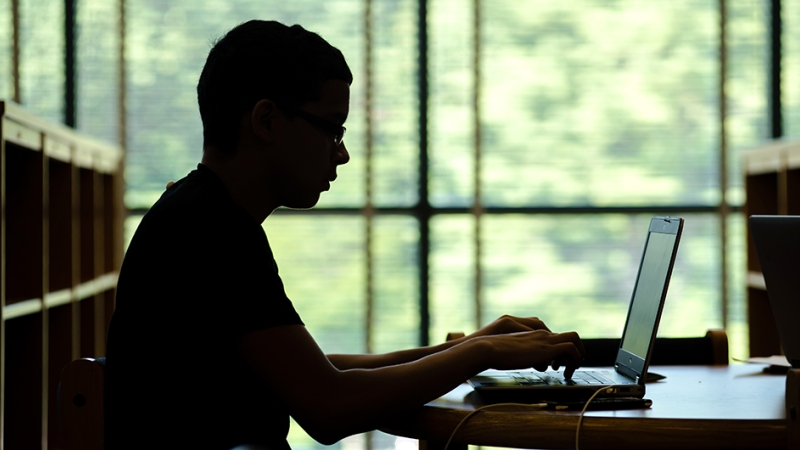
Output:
x=722 y=407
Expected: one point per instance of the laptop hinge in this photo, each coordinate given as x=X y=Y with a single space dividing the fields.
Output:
x=628 y=372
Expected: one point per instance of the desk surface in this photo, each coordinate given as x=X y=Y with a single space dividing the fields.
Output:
x=726 y=407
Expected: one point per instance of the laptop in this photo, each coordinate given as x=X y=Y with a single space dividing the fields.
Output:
x=777 y=242
x=636 y=345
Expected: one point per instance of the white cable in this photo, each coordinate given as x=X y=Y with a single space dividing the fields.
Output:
x=607 y=390
x=533 y=406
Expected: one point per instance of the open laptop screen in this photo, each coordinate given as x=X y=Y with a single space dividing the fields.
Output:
x=648 y=292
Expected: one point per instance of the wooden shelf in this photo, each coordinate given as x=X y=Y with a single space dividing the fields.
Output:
x=772 y=183
x=84 y=291
x=61 y=246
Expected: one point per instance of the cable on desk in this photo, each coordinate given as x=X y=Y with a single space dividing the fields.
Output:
x=607 y=390
x=532 y=406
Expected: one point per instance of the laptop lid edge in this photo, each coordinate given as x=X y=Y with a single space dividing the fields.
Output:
x=628 y=363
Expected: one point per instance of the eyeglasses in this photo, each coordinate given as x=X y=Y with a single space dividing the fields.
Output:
x=336 y=131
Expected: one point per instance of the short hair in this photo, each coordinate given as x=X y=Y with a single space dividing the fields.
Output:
x=262 y=60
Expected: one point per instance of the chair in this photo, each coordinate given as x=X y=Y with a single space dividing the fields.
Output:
x=711 y=349
x=81 y=408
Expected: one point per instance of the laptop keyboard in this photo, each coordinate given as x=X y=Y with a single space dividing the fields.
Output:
x=553 y=378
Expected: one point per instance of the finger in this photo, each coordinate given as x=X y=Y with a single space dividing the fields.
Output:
x=533 y=323
x=565 y=360
x=540 y=367
x=510 y=324
x=170 y=183
x=569 y=337
x=569 y=371
x=579 y=345
x=569 y=353
x=515 y=325
x=568 y=356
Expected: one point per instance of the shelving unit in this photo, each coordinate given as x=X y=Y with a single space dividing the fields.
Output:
x=772 y=181
x=61 y=247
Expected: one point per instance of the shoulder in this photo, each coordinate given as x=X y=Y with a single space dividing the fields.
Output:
x=193 y=221
x=197 y=201
x=201 y=190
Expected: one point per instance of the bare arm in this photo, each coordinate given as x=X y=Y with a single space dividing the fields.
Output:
x=331 y=404
x=503 y=325
x=374 y=361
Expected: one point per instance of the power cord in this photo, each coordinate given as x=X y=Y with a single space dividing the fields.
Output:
x=533 y=406
x=607 y=390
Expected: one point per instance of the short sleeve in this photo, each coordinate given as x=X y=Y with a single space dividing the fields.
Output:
x=252 y=289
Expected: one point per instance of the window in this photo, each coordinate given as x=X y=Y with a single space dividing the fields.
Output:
x=554 y=131
x=506 y=155
x=791 y=65
x=6 y=62
x=41 y=61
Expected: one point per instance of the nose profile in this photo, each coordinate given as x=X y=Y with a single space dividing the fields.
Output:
x=341 y=155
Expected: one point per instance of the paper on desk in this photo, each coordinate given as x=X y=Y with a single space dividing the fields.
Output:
x=775 y=360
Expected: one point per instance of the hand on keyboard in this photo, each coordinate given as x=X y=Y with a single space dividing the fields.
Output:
x=538 y=349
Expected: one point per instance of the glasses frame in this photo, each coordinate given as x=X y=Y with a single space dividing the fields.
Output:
x=335 y=130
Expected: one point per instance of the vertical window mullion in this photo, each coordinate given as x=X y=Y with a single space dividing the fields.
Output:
x=724 y=209
x=369 y=209
x=775 y=106
x=70 y=70
x=17 y=93
x=423 y=207
x=122 y=88
x=477 y=206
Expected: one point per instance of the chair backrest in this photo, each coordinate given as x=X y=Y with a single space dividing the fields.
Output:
x=81 y=404
x=711 y=349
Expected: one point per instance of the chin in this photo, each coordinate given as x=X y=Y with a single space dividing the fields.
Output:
x=303 y=203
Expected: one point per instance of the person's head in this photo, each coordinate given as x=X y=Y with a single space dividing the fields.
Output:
x=262 y=60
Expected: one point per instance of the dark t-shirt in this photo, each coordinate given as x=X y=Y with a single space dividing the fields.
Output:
x=197 y=276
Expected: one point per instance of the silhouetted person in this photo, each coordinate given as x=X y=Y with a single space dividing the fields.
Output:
x=205 y=350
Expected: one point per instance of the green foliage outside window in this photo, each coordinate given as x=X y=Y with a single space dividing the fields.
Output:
x=580 y=104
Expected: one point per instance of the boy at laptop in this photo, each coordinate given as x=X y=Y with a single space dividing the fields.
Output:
x=205 y=350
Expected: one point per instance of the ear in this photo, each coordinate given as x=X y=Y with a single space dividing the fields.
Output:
x=262 y=120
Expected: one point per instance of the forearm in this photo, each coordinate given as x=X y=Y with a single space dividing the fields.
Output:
x=331 y=403
x=358 y=400
x=504 y=325
x=374 y=361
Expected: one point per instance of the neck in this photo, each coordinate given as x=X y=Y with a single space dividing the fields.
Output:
x=243 y=183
